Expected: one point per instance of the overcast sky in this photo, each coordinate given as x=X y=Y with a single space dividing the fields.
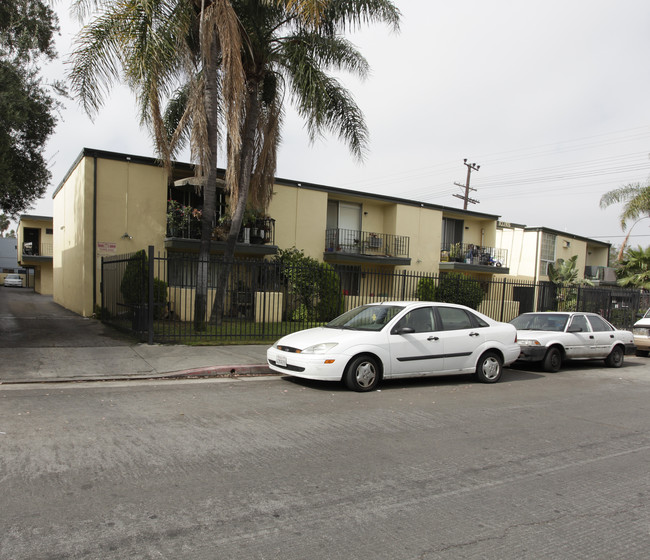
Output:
x=551 y=99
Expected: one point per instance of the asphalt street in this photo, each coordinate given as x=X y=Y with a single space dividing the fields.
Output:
x=537 y=466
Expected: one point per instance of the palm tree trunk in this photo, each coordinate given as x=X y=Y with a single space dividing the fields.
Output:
x=246 y=168
x=211 y=101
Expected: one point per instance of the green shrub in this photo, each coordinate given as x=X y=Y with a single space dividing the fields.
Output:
x=458 y=288
x=134 y=285
x=426 y=289
x=315 y=286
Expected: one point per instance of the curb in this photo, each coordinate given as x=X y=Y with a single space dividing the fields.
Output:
x=210 y=371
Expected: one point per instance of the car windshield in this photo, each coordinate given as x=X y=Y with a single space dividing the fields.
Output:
x=540 y=322
x=365 y=318
x=647 y=314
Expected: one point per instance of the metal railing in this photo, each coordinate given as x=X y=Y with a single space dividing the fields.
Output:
x=366 y=243
x=154 y=297
x=470 y=253
x=260 y=231
x=38 y=250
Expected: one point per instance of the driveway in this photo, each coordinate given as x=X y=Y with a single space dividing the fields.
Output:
x=31 y=320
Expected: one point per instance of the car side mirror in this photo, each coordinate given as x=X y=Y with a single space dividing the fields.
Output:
x=574 y=328
x=405 y=330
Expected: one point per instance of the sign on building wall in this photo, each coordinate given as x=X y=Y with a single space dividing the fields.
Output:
x=106 y=248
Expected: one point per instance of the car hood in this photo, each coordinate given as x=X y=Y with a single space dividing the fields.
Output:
x=643 y=322
x=319 y=335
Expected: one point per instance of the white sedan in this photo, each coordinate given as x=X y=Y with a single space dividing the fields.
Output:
x=551 y=337
x=398 y=339
x=13 y=280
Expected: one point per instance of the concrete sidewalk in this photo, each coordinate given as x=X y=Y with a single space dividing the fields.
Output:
x=137 y=361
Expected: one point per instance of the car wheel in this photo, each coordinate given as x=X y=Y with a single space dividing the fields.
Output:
x=552 y=360
x=362 y=374
x=489 y=368
x=615 y=358
x=642 y=353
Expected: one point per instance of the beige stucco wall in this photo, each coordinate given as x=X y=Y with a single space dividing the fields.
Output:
x=423 y=226
x=131 y=200
x=72 y=261
x=300 y=219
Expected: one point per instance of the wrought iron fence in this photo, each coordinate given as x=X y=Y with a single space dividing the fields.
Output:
x=154 y=297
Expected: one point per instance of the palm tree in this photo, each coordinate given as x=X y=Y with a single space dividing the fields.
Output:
x=289 y=55
x=233 y=61
x=637 y=206
x=156 y=46
x=564 y=274
x=634 y=269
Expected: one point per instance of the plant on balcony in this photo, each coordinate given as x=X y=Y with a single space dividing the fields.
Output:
x=183 y=221
x=456 y=253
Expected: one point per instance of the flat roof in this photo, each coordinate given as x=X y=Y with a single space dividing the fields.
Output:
x=143 y=160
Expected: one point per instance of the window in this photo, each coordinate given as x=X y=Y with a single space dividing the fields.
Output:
x=598 y=324
x=547 y=253
x=420 y=320
x=452 y=232
x=579 y=321
x=454 y=319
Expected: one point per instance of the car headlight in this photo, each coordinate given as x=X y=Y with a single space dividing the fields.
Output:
x=641 y=332
x=529 y=342
x=319 y=348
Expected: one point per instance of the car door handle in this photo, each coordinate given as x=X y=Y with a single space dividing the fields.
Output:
x=433 y=338
x=473 y=334
x=611 y=336
x=591 y=336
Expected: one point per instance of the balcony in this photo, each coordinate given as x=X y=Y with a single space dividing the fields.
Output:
x=32 y=249
x=354 y=245
x=256 y=237
x=473 y=258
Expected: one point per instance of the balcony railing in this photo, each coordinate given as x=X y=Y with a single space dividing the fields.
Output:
x=469 y=253
x=260 y=231
x=37 y=249
x=352 y=241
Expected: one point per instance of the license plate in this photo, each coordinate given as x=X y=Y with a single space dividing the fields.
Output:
x=281 y=361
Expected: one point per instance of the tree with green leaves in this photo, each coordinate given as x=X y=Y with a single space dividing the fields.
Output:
x=564 y=275
x=288 y=56
x=27 y=104
x=634 y=269
x=636 y=206
x=226 y=68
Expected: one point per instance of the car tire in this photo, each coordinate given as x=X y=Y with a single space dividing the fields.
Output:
x=615 y=358
x=489 y=368
x=642 y=353
x=553 y=360
x=362 y=374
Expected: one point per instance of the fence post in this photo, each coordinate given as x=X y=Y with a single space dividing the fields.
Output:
x=101 y=290
x=503 y=299
x=150 y=297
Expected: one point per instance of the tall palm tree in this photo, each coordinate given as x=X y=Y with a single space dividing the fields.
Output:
x=155 y=46
x=231 y=60
x=288 y=53
x=636 y=199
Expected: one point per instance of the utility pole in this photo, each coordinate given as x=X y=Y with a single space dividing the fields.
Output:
x=470 y=167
